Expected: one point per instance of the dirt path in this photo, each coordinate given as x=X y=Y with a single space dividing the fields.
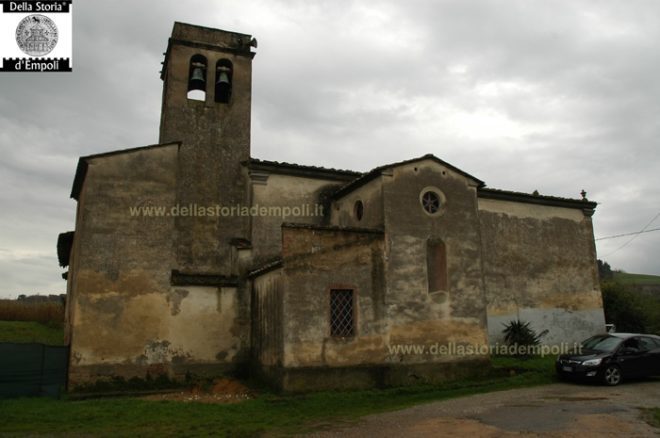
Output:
x=560 y=410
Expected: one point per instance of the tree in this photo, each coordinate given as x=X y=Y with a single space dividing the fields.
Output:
x=604 y=270
x=624 y=308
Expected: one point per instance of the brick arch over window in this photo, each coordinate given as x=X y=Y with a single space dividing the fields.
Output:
x=436 y=265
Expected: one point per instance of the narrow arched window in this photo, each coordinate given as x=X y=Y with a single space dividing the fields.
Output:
x=436 y=265
x=197 y=78
x=358 y=210
x=223 y=80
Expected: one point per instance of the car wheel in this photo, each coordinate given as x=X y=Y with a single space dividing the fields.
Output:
x=612 y=375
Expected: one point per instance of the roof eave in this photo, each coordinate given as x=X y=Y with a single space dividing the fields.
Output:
x=300 y=170
x=504 y=195
x=376 y=172
x=81 y=168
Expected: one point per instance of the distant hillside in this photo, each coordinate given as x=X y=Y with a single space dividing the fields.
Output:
x=649 y=284
x=626 y=278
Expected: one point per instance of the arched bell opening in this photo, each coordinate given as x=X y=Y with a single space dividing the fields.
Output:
x=197 y=78
x=223 y=80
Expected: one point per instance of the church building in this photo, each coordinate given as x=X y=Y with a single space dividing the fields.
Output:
x=192 y=257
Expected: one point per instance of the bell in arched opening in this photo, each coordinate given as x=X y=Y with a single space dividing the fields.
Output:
x=197 y=78
x=223 y=81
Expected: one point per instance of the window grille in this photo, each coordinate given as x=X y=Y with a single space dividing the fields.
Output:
x=342 y=320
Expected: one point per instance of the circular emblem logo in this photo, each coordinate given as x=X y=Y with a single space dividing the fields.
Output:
x=36 y=35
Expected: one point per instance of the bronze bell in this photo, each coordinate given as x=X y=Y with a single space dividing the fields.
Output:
x=223 y=75
x=197 y=78
x=223 y=78
x=223 y=84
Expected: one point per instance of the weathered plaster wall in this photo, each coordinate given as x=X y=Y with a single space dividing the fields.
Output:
x=186 y=329
x=540 y=266
x=316 y=261
x=387 y=272
x=284 y=191
x=456 y=316
x=215 y=140
x=371 y=195
x=267 y=321
x=126 y=317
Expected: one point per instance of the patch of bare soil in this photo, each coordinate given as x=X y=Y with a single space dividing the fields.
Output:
x=222 y=390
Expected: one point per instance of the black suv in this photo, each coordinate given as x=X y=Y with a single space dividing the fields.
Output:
x=612 y=357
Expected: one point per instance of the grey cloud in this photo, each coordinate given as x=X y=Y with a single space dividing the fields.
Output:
x=355 y=85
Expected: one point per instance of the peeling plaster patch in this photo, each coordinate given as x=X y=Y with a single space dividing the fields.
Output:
x=110 y=305
x=439 y=297
x=174 y=299
x=157 y=352
x=440 y=305
x=141 y=360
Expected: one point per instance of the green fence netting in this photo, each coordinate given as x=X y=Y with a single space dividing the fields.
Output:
x=28 y=370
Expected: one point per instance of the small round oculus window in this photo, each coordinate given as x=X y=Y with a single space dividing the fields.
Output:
x=432 y=200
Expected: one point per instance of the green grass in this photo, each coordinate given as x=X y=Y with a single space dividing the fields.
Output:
x=641 y=279
x=30 y=331
x=275 y=414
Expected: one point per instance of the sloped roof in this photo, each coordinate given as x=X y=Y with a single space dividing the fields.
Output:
x=196 y=279
x=555 y=201
x=266 y=267
x=332 y=228
x=352 y=178
x=81 y=169
x=301 y=170
x=366 y=177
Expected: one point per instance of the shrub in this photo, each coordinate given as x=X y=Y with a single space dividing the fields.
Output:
x=629 y=310
x=518 y=333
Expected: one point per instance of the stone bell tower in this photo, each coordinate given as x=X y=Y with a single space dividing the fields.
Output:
x=207 y=85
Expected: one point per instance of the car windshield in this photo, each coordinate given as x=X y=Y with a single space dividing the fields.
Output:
x=602 y=343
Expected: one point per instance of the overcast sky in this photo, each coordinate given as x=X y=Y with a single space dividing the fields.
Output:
x=526 y=95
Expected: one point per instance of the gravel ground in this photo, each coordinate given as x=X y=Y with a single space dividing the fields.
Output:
x=559 y=410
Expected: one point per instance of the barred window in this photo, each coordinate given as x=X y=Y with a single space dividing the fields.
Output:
x=342 y=320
